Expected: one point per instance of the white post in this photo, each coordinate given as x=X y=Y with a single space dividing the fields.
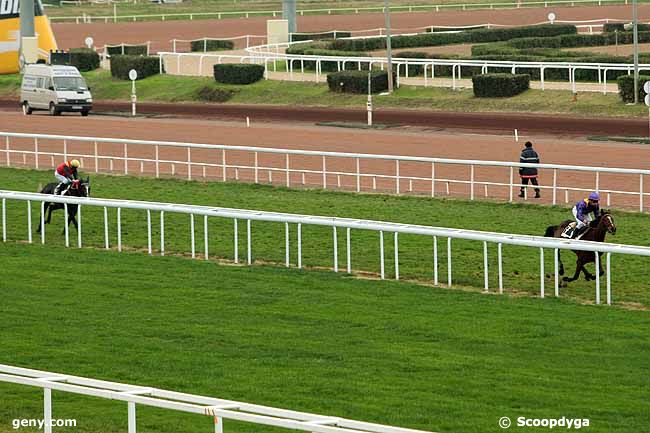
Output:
x=149 y=231
x=192 y=239
x=29 y=221
x=4 y=219
x=65 y=227
x=396 y=256
x=358 y=176
x=126 y=159
x=324 y=173
x=471 y=182
x=236 y=240
x=218 y=424
x=541 y=272
x=609 y=279
x=349 y=250
x=132 y=428
x=299 y=246
x=205 y=236
x=554 y=186
x=65 y=149
x=157 y=162
x=485 y=266
x=449 y=262
x=96 y=159
x=7 y=151
x=336 y=249
x=249 y=256
x=42 y=220
x=433 y=179
x=512 y=179
x=47 y=410
x=397 y=176
x=256 y=169
x=381 y=254
x=556 y=254
x=287 y=170
x=223 y=163
x=641 y=193
x=500 y=261
x=286 y=244
x=105 y=227
x=597 y=263
x=162 y=233
x=119 y=229
x=189 y=163
x=36 y=152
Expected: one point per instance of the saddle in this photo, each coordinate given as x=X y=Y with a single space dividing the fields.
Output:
x=571 y=231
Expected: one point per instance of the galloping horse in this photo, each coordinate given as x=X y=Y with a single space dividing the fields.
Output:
x=598 y=229
x=77 y=188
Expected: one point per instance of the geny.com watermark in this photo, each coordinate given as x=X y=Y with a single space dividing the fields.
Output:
x=550 y=423
x=41 y=423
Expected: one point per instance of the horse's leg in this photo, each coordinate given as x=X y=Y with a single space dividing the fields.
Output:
x=50 y=208
x=600 y=265
x=559 y=259
x=579 y=267
x=587 y=274
x=40 y=219
x=73 y=218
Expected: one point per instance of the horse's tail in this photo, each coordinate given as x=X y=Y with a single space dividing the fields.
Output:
x=550 y=232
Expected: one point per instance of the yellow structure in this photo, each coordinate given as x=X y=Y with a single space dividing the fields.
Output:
x=10 y=34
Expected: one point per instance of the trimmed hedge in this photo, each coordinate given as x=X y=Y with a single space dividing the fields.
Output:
x=145 y=65
x=500 y=85
x=296 y=37
x=626 y=87
x=84 y=59
x=211 y=45
x=130 y=50
x=435 y=29
x=238 y=73
x=357 y=81
x=612 y=27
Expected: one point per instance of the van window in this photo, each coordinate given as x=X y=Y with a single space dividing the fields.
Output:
x=29 y=82
x=47 y=83
x=39 y=82
x=70 y=83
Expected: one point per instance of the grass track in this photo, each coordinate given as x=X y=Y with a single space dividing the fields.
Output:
x=388 y=352
x=521 y=265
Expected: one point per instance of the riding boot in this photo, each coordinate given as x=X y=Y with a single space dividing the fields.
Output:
x=579 y=231
x=522 y=194
x=537 y=193
x=58 y=188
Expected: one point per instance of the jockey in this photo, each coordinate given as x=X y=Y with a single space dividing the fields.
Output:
x=65 y=173
x=584 y=212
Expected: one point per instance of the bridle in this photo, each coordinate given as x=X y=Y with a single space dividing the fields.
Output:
x=609 y=223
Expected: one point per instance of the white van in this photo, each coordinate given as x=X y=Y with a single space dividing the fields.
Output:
x=55 y=88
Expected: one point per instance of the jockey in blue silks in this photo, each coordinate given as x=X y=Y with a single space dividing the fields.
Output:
x=584 y=212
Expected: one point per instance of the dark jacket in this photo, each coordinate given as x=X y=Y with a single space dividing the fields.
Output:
x=528 y=155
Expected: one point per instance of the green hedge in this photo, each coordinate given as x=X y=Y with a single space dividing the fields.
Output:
x=85 y=59
x=295 y=37
x=145 y=65
x=357 y=81
x=435 y=29
x=620 y=27
x=500 y=85
x=436 y=39
x=211 y=45
x=238 y=73
x=626 y=87
x=130 y=50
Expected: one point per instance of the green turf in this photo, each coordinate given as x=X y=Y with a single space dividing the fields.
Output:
x=521 y=265
x=169 y=88
x=394 y=353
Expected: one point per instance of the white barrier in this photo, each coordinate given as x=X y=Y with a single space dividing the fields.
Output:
x=330 y=11
x=380 y=227
x=423 y=179
x=218 y=408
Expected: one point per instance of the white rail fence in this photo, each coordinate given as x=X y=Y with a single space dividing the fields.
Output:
x=380 y=227
x=297 y=168
x=218 y=408
x=85 y=18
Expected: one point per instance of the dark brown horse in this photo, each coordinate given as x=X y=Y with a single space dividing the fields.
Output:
x=78 y=188
x=598 y=229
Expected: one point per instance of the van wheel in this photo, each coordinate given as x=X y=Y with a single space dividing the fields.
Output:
x=53 y=110
x=27 y=108
x=84 y=113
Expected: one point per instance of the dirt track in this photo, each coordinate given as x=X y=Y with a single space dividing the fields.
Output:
x=160 y=33
x=418 y=142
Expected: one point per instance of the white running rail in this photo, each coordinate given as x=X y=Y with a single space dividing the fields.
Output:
x=218 y=408
x=364 y=172
x=381 y=227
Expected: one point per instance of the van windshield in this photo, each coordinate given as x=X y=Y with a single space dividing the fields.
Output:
x=70 y=83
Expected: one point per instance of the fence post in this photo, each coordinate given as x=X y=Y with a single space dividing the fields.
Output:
x=554 y=186
x=189 y=163
x=433 y=179
x=395 y=237
x=435 y=260
x=7 y=151
x=609 y=279
x=286 y=244
x=381 y=254
x=29 y=221
x=66 y=227
x=641 y=193
x=541 y=272
x=512 y=179
x=336 y=249
x=597 y=265
x=157 y=161
x=223 y=163
x=42 y=221
x=149 y=231
x=256 y=169
x=397 y=176
x=358 y=176
x=205 y=236
x=36 y=152
x=485 y=266
x=192 y=240
x=287 y=170
x=249 y=258
x=97 y=158
x=471 y=182
x=348 y=250
x=500 y=263
x=236 y=240
x=324 y=173
x=47 y=409
x=132 y=424
x=65 y=149
x=556 y=254
x=449 y=262
x=299 y=246
x=162 y=233
x=126 y=159
x=4 y=220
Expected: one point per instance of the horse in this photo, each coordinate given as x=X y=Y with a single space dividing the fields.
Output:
x=598 y=229
x=78 y=188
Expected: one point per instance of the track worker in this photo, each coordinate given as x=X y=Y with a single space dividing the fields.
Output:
x=528 y=155
x=584 y=212
x=65 y=173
